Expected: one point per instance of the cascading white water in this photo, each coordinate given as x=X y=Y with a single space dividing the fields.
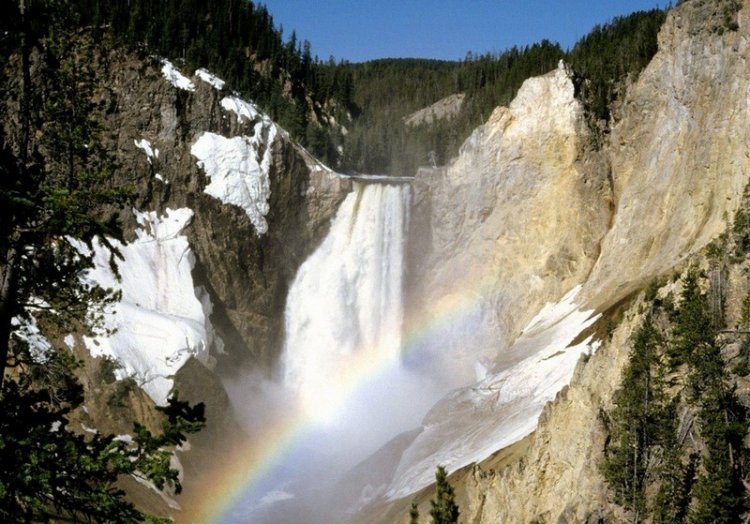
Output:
x=346 y=300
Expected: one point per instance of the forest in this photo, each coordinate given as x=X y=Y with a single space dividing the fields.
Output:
x=352 y=115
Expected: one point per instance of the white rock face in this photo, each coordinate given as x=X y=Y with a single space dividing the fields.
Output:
x=514 y=224
x=444 y=109
x=159 y=322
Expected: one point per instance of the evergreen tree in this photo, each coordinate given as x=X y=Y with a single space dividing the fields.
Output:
x=49 y=472
x=637 y=422
x=693 y=330
x=719 y=491
x=444 y=509
x=676 y=482
x=413 y=514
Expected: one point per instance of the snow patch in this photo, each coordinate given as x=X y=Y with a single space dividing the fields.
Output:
x=146 y=147
x=242 y=108
x=27 y=330
x=159 y=322
x=213 y=80
x=238 y=170
x=176 y=78
x=161 y=179
x=472 y=423
x=70 y=341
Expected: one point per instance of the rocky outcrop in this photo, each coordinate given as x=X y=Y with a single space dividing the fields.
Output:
x=679 y=165
x=244 y=269
x=679 y=150
x=233 y=267
x=512 y=223
x=444 y=109
x=515 y=221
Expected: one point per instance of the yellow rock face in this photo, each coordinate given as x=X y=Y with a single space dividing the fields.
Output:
x=528 y=211
x=679 y=162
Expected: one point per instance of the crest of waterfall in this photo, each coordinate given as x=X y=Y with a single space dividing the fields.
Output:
x=345 y=304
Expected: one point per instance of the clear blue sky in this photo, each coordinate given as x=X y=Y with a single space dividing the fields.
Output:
x=358 y=30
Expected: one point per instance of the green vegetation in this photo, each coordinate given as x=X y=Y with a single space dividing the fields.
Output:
x=55 y=183
x=386 y=91
x=612 y=53
x=443 y=506
x=235 y=39
x=49 y=472
x=413 y=514
x=641 y=423
x=651 y=468
x=740 y=232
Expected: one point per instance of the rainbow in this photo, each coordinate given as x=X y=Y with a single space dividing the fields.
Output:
x=229 y=483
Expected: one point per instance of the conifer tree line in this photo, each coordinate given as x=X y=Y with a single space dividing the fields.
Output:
x=238 y=40
x=386 y=91
x=675 y=451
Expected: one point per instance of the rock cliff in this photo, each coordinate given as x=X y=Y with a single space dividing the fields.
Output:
x=245 y=273
x=530 y=210
x=515 y=221
x=679 y=165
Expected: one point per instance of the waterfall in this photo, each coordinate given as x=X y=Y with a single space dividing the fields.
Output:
x=345 y=304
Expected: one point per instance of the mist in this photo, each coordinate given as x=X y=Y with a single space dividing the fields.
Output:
x=305 y=486
x=345 y=384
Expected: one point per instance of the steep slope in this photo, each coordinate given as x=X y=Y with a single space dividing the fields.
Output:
x=678 y=153
x=510 y=224
x=259 y=205
x=532 y=215
x=679 y=164
x=245 y=258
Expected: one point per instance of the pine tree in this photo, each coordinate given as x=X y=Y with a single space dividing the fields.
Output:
x=719 y=491
x=444 y=509
x=693 y=327
x=637 y=422
x=676 y=482
x=413 y=514
x=49 y=472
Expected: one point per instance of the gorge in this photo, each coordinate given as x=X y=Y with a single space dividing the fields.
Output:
x=350 y=332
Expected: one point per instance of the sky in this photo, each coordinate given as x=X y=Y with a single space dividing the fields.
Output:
x=359 y=30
